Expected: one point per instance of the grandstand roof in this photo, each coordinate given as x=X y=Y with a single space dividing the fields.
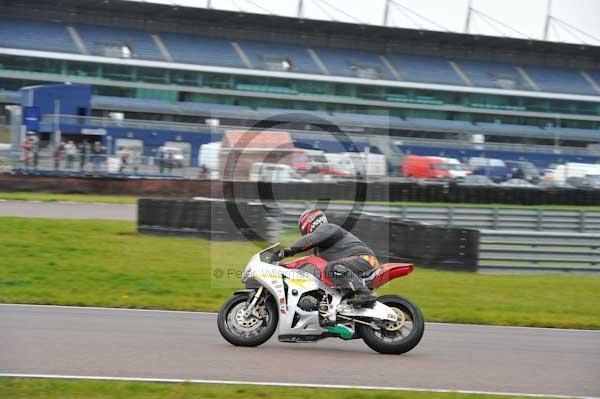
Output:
x=279 y=28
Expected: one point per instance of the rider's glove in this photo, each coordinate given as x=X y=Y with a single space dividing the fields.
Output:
x=284 y=253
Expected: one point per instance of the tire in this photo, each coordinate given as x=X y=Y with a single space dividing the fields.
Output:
x=253 y=335
x=391 y=342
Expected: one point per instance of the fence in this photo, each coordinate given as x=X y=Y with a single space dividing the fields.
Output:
x=468 y=217
x=538 y=251
x=80 y=164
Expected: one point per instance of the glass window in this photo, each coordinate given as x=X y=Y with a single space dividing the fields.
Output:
x=186 y=78
x=118 y=72
x=153 y=75
x=82 y=69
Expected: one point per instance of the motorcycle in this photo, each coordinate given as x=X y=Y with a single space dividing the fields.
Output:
x=301 y=299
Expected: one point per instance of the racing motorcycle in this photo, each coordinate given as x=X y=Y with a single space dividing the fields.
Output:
x=301 y=299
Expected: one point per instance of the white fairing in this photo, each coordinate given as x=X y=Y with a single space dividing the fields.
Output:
x=272 y=277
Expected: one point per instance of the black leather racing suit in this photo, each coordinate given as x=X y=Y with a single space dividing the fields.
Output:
x=349 y=259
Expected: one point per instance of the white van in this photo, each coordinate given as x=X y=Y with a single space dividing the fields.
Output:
x=274 y=173
x=561 y=173
x=208 y=155
x=359 y=163
x=457 y=169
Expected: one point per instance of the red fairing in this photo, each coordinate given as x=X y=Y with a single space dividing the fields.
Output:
x=319 y=263
x=382 y=275
x=390 y=271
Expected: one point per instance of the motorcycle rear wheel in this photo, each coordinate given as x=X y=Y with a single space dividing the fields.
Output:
x=251 y=331
x=395 y=337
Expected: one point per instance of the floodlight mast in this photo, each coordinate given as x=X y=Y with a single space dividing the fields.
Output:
x=386 y=13
x=468 y=19
x=548 y=19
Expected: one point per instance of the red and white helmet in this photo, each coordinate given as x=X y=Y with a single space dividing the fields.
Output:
x=310 y=219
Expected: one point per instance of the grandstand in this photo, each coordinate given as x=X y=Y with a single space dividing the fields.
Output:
x=184 y=65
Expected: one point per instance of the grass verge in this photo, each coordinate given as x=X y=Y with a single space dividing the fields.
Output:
x=106 y=263
x=51 y=197
x=20 y=388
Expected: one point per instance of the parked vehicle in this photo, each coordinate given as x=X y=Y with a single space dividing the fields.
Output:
x=359 y=164
x=425 y=167
x=476 y=180
x=584 y=182
x=517 y=183
x=274 y=173
x=304 y=306
x=561 y=173
x=310 y=161
x=495 y=169
x=456 y=168
x=524 y=170
x=209 y=155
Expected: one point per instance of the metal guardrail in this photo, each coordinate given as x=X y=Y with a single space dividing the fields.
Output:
x=481 y=218
x=538 y=251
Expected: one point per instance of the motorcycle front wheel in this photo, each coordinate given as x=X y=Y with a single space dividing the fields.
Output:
x=395 y=337
x=247 y=331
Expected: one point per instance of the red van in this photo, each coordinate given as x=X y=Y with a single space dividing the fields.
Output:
x=422 y=167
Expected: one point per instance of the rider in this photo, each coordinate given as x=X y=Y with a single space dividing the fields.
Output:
x=349 y=259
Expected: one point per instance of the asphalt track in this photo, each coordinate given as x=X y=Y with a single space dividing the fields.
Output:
x=68 y=210
x=50 y=340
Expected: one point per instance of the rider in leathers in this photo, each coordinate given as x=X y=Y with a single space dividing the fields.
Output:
x=349 y=259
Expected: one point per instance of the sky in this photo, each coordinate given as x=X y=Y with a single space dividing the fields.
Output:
x=526 y=17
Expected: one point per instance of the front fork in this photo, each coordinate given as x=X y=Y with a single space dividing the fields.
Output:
x=253 y=302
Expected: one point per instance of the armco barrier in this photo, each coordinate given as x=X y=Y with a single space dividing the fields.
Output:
x=533 y=251
x=500 y=218
x=428 y=246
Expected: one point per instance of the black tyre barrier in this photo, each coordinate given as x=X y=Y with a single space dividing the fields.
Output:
x=413 y=192
x=341 y=190
x=211 y=219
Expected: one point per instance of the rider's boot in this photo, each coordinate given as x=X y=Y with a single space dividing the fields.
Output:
x=361 y=296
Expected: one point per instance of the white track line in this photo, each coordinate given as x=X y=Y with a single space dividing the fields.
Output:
x=215 y=314
x=105 y=308
x=290 y=384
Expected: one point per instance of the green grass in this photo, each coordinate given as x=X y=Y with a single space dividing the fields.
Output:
x=4 y=136
x=106 y=263
x=51 y=197
x=19 y=388
x=129 y=199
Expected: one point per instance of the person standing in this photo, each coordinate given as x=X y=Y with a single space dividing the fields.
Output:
x=84 y=150
x=97 y=151
x=26 y=146
x=35 y=149
x=71 y=152
x=58 y=152
x=124 y=158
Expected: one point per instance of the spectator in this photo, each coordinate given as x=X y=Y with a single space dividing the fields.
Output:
x=26 y=146
x=58 y=152
x=125 y=154
x=97 y=151
x=35 y=149
x=84 y=150
x=71 y=151
x=170 y=160
x=161 y=160
x=203 y=172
